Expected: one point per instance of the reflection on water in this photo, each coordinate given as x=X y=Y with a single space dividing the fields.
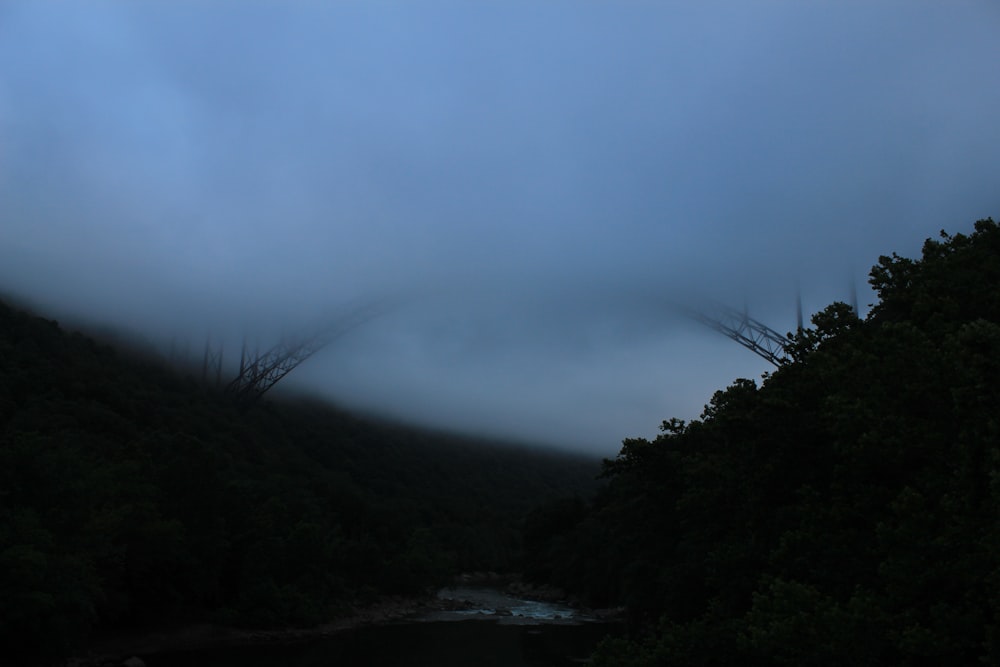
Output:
x=472 y=643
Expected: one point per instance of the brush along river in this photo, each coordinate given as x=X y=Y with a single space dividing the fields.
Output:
x=465 y=627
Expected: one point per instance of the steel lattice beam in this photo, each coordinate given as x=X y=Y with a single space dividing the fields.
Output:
x=745 y=330
x=259 y=372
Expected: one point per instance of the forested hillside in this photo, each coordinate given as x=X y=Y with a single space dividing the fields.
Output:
x=132 y=496
x=843 y=511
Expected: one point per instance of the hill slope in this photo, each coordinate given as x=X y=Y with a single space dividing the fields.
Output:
x=130 y=495
x=844 y=512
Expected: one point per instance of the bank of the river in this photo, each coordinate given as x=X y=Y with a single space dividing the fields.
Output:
x=505 y=600
x=115 y=650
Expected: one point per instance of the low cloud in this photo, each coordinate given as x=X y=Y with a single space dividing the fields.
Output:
x=532 y=187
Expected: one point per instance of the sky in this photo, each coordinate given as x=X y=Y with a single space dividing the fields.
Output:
x=525 y=188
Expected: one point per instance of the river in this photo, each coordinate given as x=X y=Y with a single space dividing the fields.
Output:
x=477 y=627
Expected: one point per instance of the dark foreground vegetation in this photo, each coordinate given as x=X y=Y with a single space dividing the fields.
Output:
x=131 y=497
x=844 y=512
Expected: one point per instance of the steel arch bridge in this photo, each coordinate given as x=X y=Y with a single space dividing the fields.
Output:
x=259 y=372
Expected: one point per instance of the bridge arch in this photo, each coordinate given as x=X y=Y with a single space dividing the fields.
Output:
x=259 y=372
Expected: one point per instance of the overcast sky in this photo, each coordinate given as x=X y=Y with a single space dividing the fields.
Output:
x=529 y=184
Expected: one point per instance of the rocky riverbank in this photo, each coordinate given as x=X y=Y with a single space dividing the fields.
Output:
x=122 y=650
x=117 y=650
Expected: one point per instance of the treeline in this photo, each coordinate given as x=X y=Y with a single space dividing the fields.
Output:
x=131 y=496
x=845 y=511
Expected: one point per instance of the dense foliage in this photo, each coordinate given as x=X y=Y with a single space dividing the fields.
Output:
x=130 y=496
x=844 y=512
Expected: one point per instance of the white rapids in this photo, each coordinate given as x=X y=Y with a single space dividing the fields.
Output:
x=490 y=604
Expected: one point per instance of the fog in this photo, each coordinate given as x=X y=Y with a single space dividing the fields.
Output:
x=528 y=186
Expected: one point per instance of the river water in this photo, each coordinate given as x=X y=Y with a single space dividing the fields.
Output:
x=491 y=629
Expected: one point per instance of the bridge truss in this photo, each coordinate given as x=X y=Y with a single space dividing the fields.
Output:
x=259 y=372
x=752 y=334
